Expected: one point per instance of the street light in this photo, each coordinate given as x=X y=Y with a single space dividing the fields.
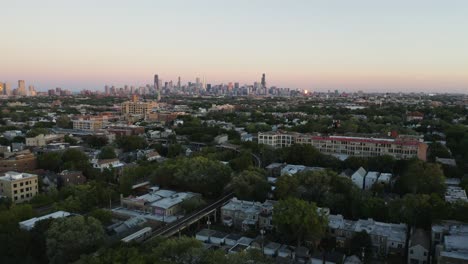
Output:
x=262 y=233
x=209 y=231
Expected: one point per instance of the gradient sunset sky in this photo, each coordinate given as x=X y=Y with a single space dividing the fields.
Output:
x=350 y=45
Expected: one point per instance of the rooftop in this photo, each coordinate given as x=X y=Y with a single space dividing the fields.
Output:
x=395 y=232
x=454 y=193
x=14 y=176
x=30 y=223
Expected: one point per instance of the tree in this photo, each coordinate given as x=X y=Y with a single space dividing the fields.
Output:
x=242 y=161
x=190 y=205
x=437 y=150
x=130 y=143
x=104 y=216
x=421 y=177
x=298 y=220
x=418 y=210
x=251 y=185
x=174 y=150
x=50 y=161
x=107 y=152
x=197 y=174
x=361 y=243
x=182 y=250
x=96 y=141
x=70 y=140
x=286 y=186
x=68 y=238
x=64 y=121
x=37 y=131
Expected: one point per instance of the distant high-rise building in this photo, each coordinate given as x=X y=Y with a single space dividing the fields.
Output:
x=263 y=81
x=2 y=88
x=178 y=83
x=7 y=89
x=32 y=90
x=157 y=86
x=106 y=89
x=21 y=88
x=156 y=82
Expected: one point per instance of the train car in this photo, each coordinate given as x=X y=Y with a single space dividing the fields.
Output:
x=138 y=236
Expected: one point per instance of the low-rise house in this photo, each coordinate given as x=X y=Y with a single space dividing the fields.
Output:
x=17 y=146
x=107 y=164
x=301 y=254
x=232 y=239
x=386 y=237
x=371 y=179
x=218 y=238
x=414 y=116
x=274 y=169
x=291 y=169
x=266 y=215
x=385 y=178
x=67 y=178
x=153 y=156
x=271 y=249
x=42 y=140
x=245 y=215
x=238 y=248
x=11 y=134
x=220 y=139
x=419 y=247
x=161 y=203
x=171 y=206
x=247 y=137
x=450 y=242
x=358 y=177
x=245 y=241
x=327 y=258
x=286 y=251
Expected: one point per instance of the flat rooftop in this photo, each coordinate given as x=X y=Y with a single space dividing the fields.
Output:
x=14 y=176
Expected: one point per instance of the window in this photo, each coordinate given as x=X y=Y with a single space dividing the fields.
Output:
x=411 y=251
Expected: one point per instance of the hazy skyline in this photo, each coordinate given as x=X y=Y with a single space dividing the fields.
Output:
x=316 y=45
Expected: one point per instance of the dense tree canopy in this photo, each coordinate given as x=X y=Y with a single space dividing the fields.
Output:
x=421 y=177
x=130 y=143
x=197 y=174
x=251 y=185
x=299 y=220
x=68 y=238
x=107 y=152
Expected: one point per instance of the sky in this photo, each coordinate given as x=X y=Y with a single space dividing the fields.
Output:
x=318 y=45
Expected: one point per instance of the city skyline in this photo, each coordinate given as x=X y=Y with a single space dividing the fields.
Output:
x=416 y=46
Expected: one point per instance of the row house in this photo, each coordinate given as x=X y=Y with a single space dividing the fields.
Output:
x=387 y=238
x=246 y=215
